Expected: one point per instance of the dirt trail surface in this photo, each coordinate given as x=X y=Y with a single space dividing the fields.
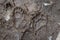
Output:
x=29 y=19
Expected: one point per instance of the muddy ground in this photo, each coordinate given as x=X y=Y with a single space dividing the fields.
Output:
x=29 y=19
